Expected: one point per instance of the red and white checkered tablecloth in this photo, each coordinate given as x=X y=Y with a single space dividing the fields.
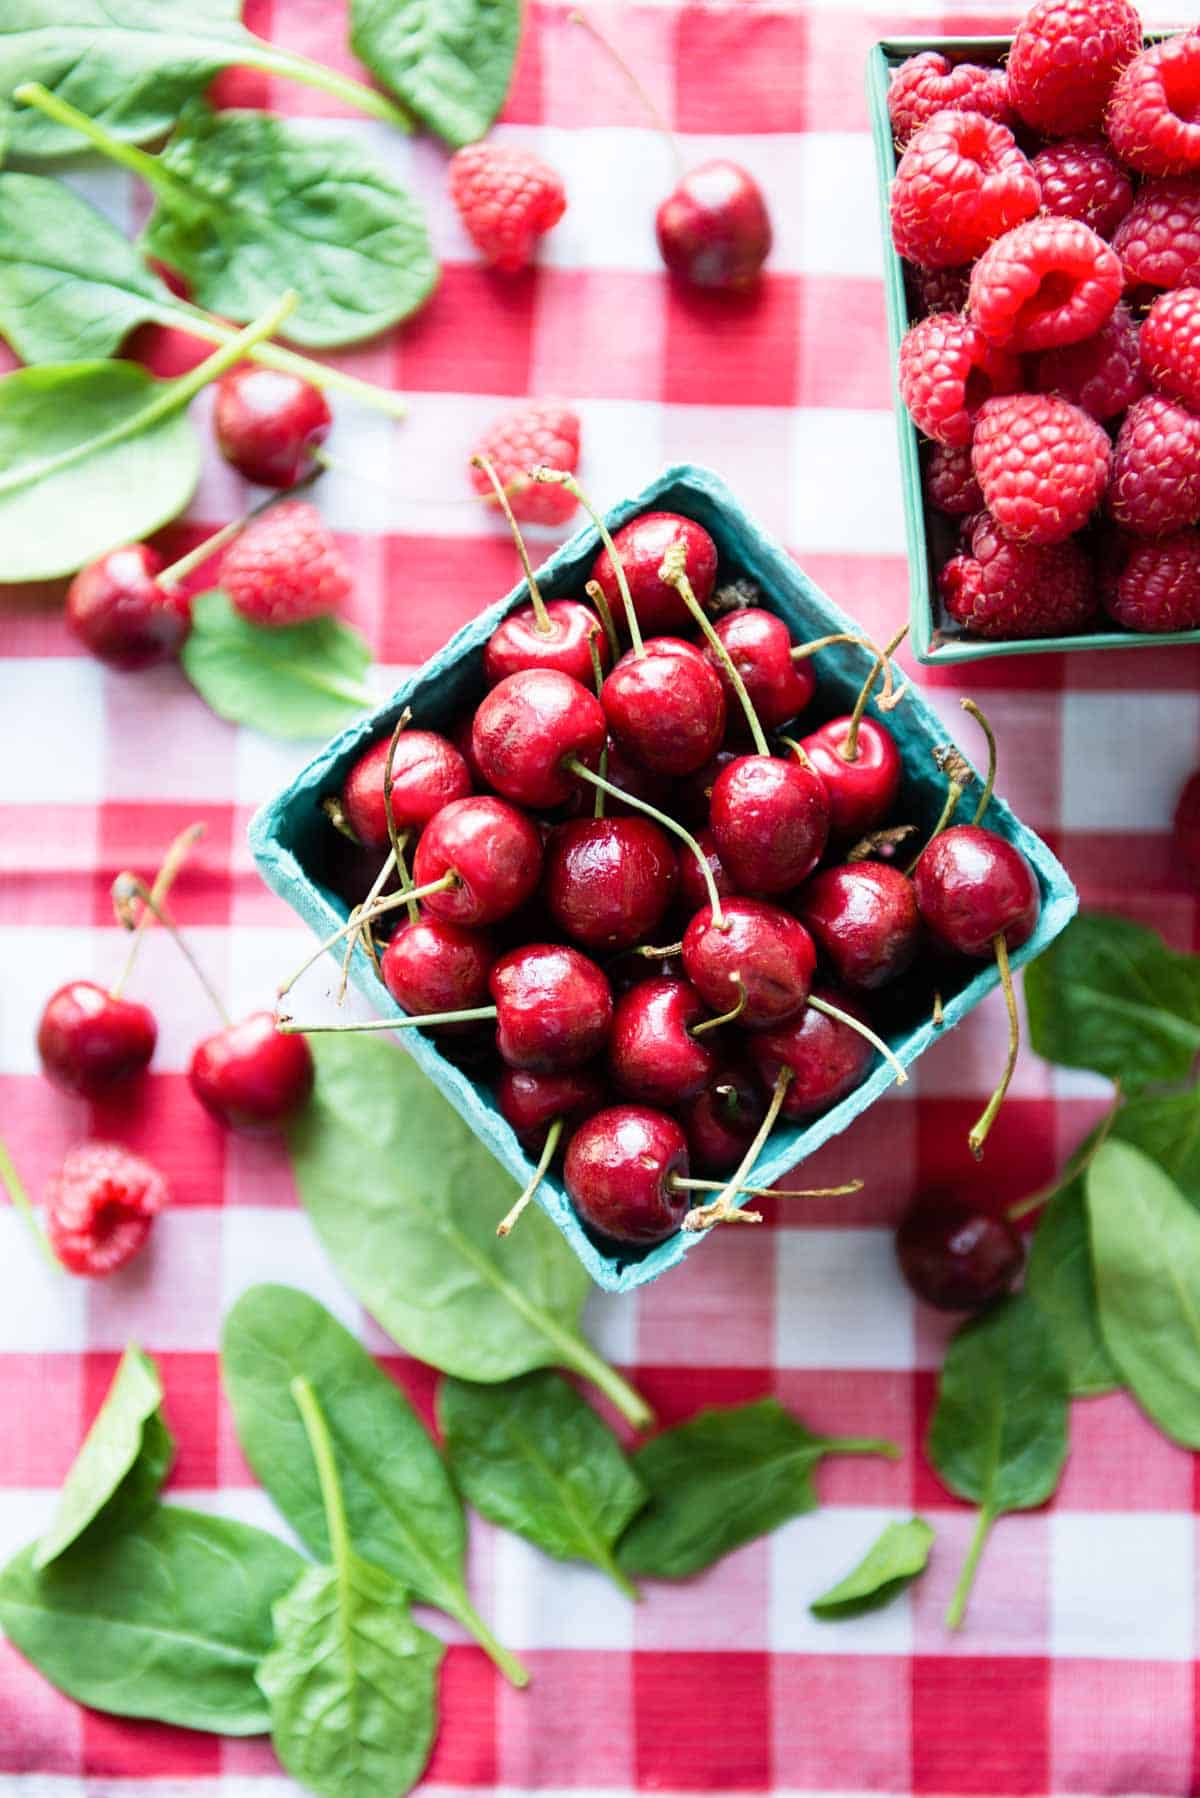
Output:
x=1077 y=1669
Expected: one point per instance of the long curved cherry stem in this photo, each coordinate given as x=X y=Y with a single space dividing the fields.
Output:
x=598 y=683
x=127 y=887
x=979 y=1133
x=535 y=597
x=355 y=922
x=560 y=477
x=179 y=571
x=639 y=805
x=577 y=17
x=937 y=1016
x=22 y=1204
x=726 y=1017
x=599 y=599
x=848 y=750
x=289 y=1027
x=722 y=1209
x=960 y=774
x=163 y=881
x=365 y=937
x=985 y=798
x=800 y=651
x=863 y=1030
x=674 y=572
x=398 y=843
x=535 y=1180
x=659 y=952
x=1078 y=1164
x=770 y=1192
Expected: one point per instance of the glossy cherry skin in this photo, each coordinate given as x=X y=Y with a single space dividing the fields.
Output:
x=251 y=1076
x=760 y=647
x=517 y=643
x=528 y=726
x=973 y=886
x=956 y=1257
x=666 y=708
x=531 y=1102
x=763 y=947
x=268 y=423
x=427 y=773
x=618 y=1172
x=119 y=612
x=693 y=889
x=714 y=229
x=495 y=851
x=652 y=1055
x=554 y=1008
x=722 y=1120
x=827 y=1059
x=90 y=1042
x=435 y=966
x=861 y=792
x=608 y=881
x=770 y=821
x=641 y=544
x=864 y=920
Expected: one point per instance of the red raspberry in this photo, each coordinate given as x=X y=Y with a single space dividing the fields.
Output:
x=1050 y=281
x=1158 y=240
x=1064 y=59
x=100 y=1206
x=947 y=370
x=540 y=433
x=1154 y=113
x=507 y=198
x=1103 y=374
x=1155 y=483
x=1154 y=586
x=930 y=83
x=1042 y=465
x=1005 y=589
x=937 y=289
x=950 y=482
x=285 y=567
x=961 y=182
x=1080 y=178
x=1170 y=345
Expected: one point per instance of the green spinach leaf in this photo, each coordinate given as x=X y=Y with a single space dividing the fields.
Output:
x=1060 y=1281
x=450 y=61
x=1167 y=1128
x=721 y=1479
x=532 y=1456
x=168 y=1620
x=296 y=680
x=889 y=1565
x=405 y=1200
x=999 y=1433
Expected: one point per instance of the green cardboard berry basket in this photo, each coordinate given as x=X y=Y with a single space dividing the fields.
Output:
x=934 y=637
x=290 y=838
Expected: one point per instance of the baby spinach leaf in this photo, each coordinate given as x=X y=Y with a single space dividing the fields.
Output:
x=721 y=1479
x=405 y=1200
x=1167 y=1128
x=1146 y=1249
x=999 y=1432
x=167 y=1620
x=1109 y=995
x=121 y=1465
x=532 y=1456
x=297 y=680
x=889 y=1565
x=1060 y=1281
x=403 y=1514
x=450 y=61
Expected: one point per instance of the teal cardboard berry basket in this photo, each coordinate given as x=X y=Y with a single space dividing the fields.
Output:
x=935 y=637
x=290 y=837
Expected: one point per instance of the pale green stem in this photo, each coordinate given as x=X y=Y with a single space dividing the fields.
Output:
x=685 y=836
x=167 y=186
x=289 y=1027
x=183 y=316
x=195 y=558
x=674 y=573
x=364 y=916
x=726 y=1017
x=979 y=1133
x=539 y=1174
x=561 y=478
x=722 y=1209
x=966 y=1579
x=23 y=1206
x=968 y=705
x=535 y=597
x=133 y=888
x=163 y=881
x=864 y=1030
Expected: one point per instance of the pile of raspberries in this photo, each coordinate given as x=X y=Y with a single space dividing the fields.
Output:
x=1049 y=212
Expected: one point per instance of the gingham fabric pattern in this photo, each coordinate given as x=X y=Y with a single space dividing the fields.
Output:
x=1077 y=1669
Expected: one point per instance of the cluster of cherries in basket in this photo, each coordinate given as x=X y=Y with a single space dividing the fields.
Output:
x=602 y=800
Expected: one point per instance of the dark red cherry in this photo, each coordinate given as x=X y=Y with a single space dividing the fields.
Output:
x=652 y=1055
x=972 y=886
x=714 y=229
x=770 y=822
x=619 y=1170
x=427 y=773
x=864 y=920
x=494 y=850
x=251 y=1076
x=763 y=948
x=863 y=791
x=119 y=612
x=268 y=423
x=723 y=1119
x=518 y=643
x=90 y=1042
x=434 y=966
x=531 y=1102
x=693 y=889
x=608 y=881
x=827 y=1058
x=760 y=647
x=641 y=545
x=1186 y=830
x=955 y=1256
x=528 y=727
x=666 y=708
x=554 y=1007
x=460 y=736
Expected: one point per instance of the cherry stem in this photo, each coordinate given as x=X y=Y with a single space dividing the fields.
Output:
x=639 y=805
x=1078 y=1164
x=179 y=571
x=599 y=599
x=560 y=477
x=365 y=937
x=801 y=650
x=576 y=17
x=968 y=705
x=127 y=887
x=959 y=771
x=674 y=573
x=848 y=750
x=726 y=1017
x=539 y=1174
x=332 y=808
x=398 y=845
x=598 y=682
x=544 y=624
x=657 y=952
x=979 y=1134
x=771 y=1192
x=966 y=1579
x=863 y=1030
x=289 y=1026
x=362 y=916
x=721 y=1209
x=172 y=862
x=939 y=1017
x=22 y=1204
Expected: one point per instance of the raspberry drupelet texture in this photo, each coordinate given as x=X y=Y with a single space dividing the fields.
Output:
x=947 y=369
x=1158 y=240
x=100 y=1206
x=937 y=289
x=1103 y=374
x=1004 y=589
x=543 y=433
x=961 y=183
x=1154 y=113
x=285 y=567
x=1042 y=465
x=1170 y=345
x=1154 y=488
x=1065 y=57
x=1047 y=282
x=507 y=199
x=930 y=83
x=1154 y=586
x=950 y=482
x=1080 y=178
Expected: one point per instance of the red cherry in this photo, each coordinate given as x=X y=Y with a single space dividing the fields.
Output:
x=553 y=1007
x=770 y=821
x=518 y=643
x=531 y=1102
x=714 y=229
x=762 y=950
x=972 y=886
x=827 y=1058
x=618 y=1172
x=495 y=851
x=652 y=1055
x=641 y=545
x=693 y=796
x=100 y=1207
x=955 y=1256
x=90 y=1042
x=608 y=881
x=527 y=728
x=862 y=791
x=427 y=773
x=460 y=736
x=865 y=922
x=666 y=708
x=760 y=647
x=693 y=891
x=252 y=1076
x=435 y=966
x=723 y=1119
x=119 y=612
x=268 y=423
